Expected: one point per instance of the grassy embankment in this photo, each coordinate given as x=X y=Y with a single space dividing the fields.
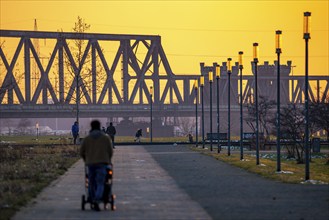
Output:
x=26 y=170
x=291 y=172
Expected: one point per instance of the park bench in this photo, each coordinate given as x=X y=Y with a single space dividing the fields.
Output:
x=216 y=136
x=222 y=138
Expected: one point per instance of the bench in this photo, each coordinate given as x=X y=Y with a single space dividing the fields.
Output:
x=222 y=137
x=216 y=136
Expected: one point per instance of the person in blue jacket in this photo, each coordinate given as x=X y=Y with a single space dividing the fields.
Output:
x=75 y=131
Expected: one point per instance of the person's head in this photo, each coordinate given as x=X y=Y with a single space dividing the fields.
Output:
x=76 y=122
x=111 y=123
x=95 y=125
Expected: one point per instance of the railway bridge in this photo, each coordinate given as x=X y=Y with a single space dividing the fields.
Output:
x=97 y=75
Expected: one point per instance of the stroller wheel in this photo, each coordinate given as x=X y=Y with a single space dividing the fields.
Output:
x=83 y=202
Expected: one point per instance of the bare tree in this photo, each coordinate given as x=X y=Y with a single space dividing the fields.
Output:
x=186 y=125
x=82 y=75
x=23 y=125
x=265 y=113
x=292 y=129
x=8 y=123
x=10 y=83
x=319 y=112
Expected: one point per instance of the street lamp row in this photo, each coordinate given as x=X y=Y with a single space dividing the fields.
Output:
x=278 y=51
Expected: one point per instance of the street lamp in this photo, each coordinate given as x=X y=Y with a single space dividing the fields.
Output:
x=196 y=111
x=151 y=116
x=217 y=80
x=229 y=71
x=202 y=108
x=241 y=103
x=255 y=56
x=210 y=99
x=278 y=51
x=307 y=36
x=78 y=96
x=37 y=127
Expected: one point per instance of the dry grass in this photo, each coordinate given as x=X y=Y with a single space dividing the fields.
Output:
x=292 y=172
x=25 y=170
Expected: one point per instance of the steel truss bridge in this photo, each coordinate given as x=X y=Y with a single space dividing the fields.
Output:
x=142 y=63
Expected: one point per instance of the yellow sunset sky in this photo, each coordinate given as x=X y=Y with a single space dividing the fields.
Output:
x=191 y=31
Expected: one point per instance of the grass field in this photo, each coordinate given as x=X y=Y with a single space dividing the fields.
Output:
x=67 y=139
x=26 y=170
x=291 y=172
x=29 y=164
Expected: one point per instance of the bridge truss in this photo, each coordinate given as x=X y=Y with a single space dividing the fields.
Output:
x=89 y=78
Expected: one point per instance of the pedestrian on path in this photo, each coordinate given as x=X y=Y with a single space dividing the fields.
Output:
x=96 y=151
x=75 y=131
x=138 y=135
x=111 y=131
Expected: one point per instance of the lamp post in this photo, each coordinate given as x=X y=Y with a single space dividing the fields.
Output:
x=210 y=99
x=306 y=37
x=229 y=71
x=255 y=55
x=196 y=111
x=241 y=103
x=77 y=97
x=37 y=127
x=151 y=116
x=217 y=99
x=278 y=134
x=202 y=108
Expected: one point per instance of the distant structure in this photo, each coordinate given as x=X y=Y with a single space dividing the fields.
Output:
x=35 y=69
x=143 y=63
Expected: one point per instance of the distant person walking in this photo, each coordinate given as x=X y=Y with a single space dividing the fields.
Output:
x=190 y=137
x=138 y=135
x=75 y=131
x=111 y=131
x=96 y=151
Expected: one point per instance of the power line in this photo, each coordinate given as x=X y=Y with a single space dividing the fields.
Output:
x=183 y=29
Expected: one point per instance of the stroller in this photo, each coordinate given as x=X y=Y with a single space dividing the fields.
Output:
x=108 y=197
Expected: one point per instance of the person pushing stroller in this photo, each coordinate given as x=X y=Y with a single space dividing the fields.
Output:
x=96 y=151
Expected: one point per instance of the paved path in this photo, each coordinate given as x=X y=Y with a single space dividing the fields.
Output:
x=143 y=189
x=172 y=182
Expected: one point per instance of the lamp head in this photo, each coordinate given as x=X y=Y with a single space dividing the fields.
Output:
x=229 y=66
x=201 y=81
x=217 y=71
x=210 y=77
x=151 y=90
x=256 y=52
x=278 y=41
x=307 y=25
x=240 y=60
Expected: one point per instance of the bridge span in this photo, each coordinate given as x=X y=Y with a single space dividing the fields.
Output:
x=88 y=83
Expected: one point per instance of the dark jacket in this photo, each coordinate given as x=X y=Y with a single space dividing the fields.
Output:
x=111 y=130
x=96 y=148
x=75 y=129
x=139 y=133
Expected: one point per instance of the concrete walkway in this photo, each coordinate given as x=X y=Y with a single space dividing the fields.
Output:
x=143 y=189
x=173 y=182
